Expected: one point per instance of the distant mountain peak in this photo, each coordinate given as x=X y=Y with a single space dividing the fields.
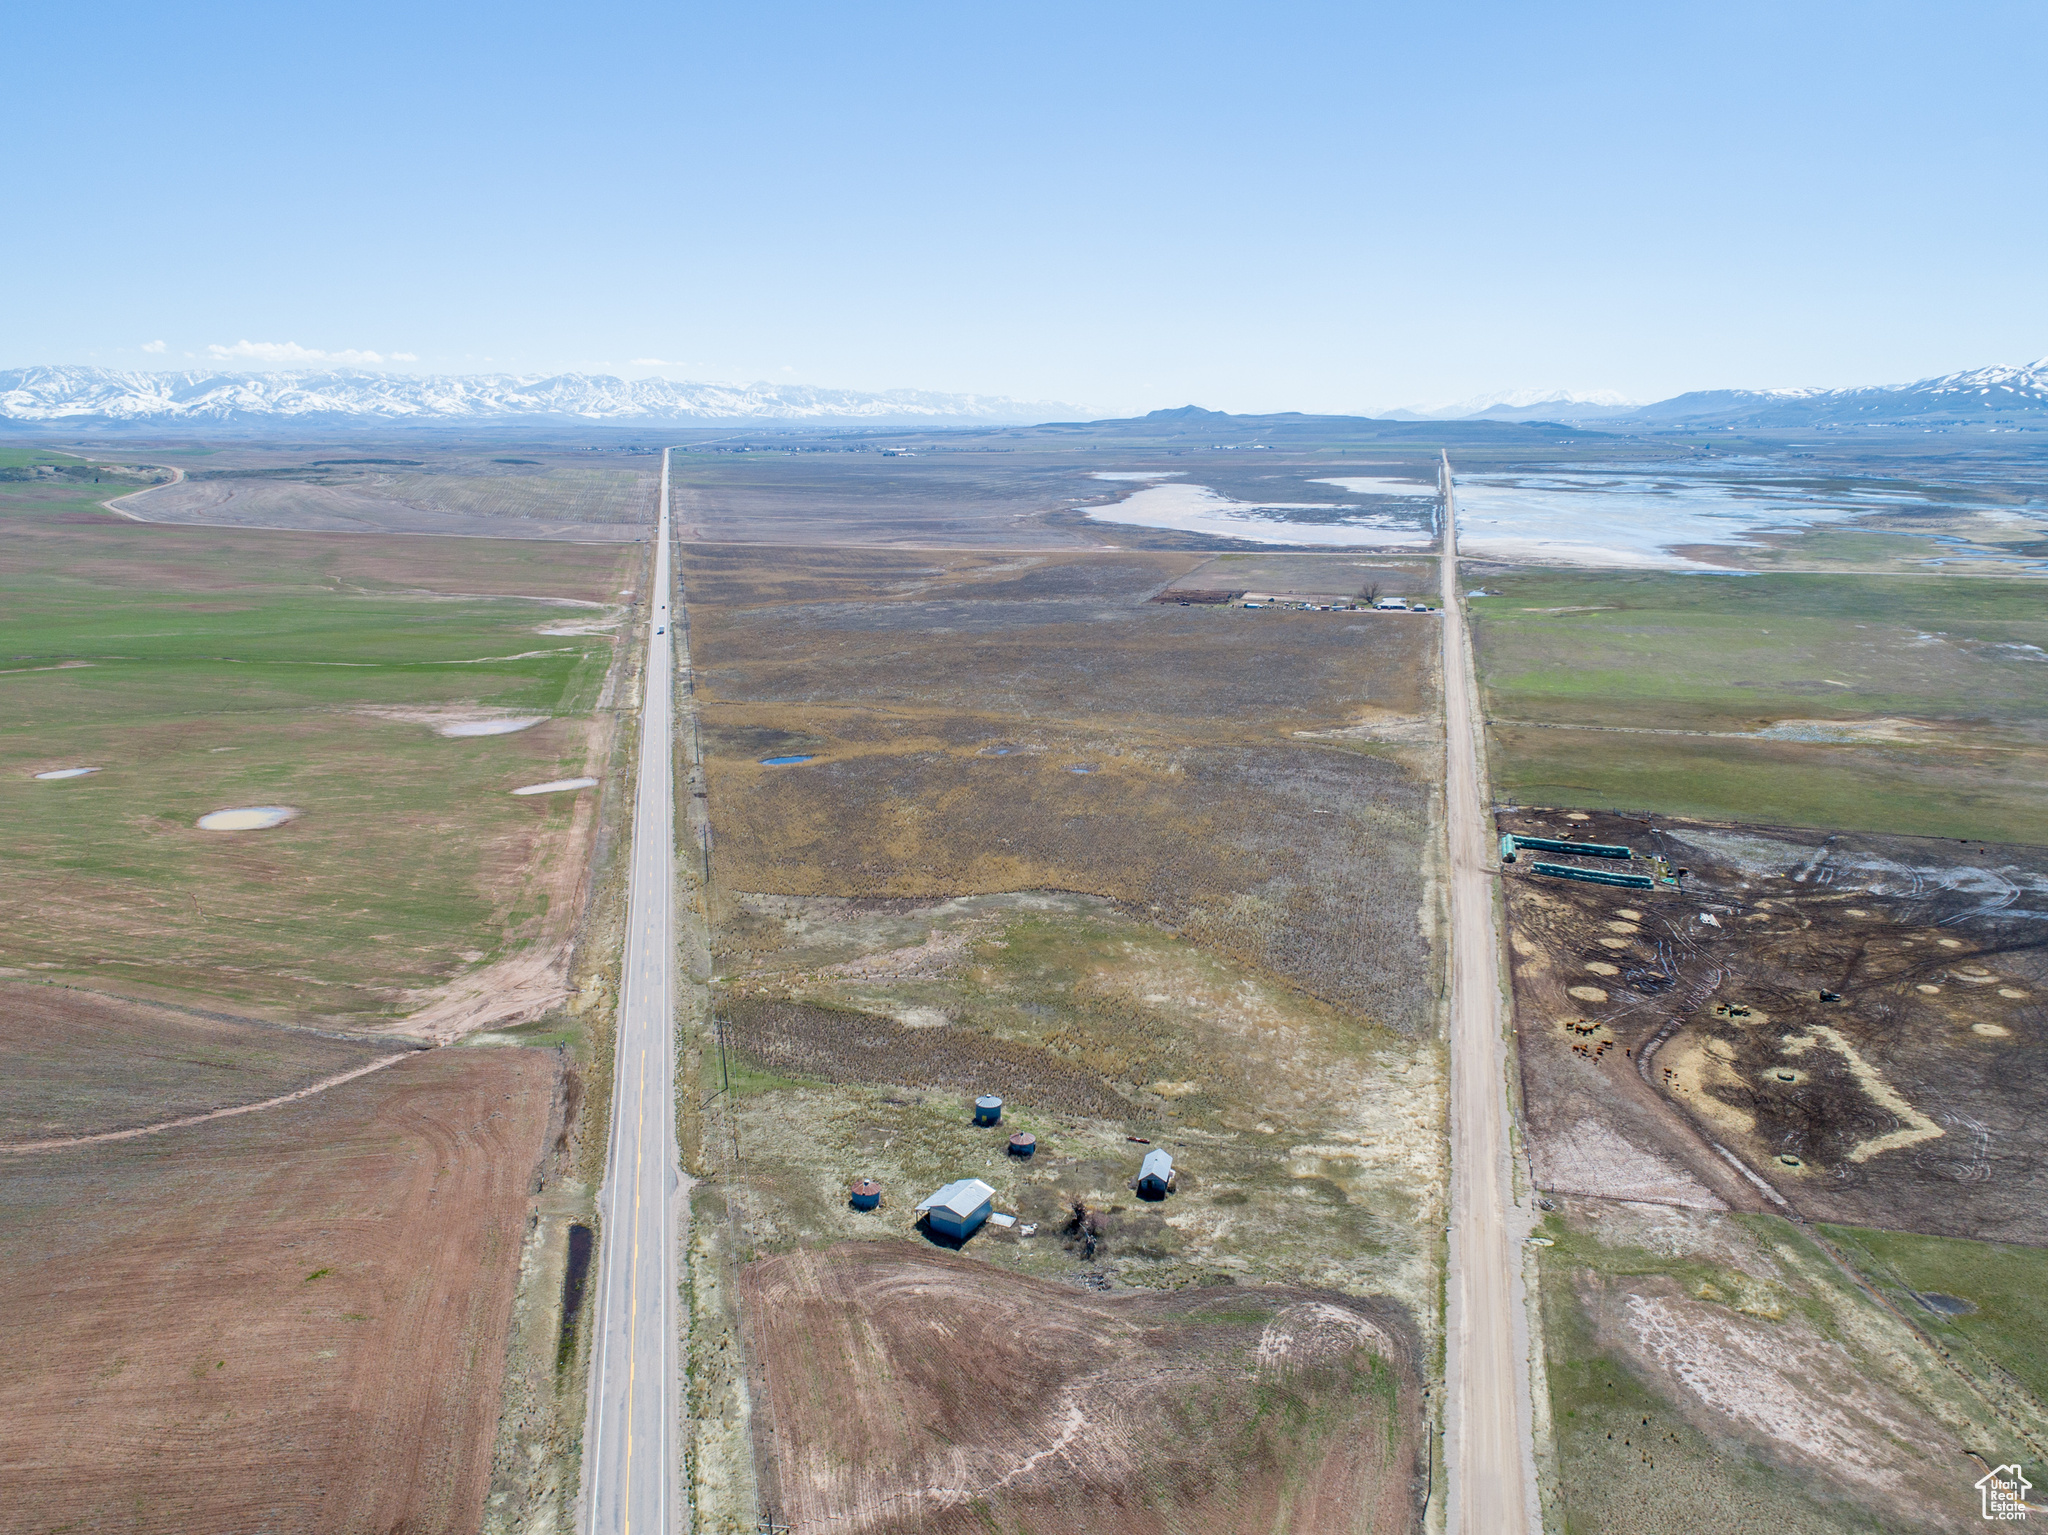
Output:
x=1186 y=413
x=1522 y=405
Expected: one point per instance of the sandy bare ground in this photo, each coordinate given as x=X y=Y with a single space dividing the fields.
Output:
x=513 y=991
x=1384 y=725
x=1592 y=1157
x=435 y=716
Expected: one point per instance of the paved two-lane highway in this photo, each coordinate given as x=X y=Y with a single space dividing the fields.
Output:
x=629 y=1442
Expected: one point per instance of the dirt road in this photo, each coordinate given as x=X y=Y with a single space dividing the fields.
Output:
x=115 y=506
x=1487 y=1450
x=629 y=1472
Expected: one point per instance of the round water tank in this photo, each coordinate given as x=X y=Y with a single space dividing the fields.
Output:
x=866 y=1194
x=987 y=1109
x=1023 y=1144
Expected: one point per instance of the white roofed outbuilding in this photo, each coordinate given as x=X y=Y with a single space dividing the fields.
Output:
x=1155 y=1174
x=958 y=1209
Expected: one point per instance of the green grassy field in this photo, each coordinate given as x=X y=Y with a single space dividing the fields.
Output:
x=201 y=668
x=1913 y=791
x=22 y=458
x=1681 y=672
x=1717 y=1373
x=2003 y=1285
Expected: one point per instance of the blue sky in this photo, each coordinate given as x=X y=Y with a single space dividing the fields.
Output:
x=1270 y=207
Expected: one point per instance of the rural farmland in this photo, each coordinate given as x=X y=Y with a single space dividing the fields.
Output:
x=249 y=1198
x=1154 y=876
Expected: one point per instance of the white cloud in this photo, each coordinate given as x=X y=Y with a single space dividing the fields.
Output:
x=291 y=352
x=651 y=362
x=152 y=346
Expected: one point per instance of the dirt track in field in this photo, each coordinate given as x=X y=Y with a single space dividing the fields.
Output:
x=288 y=1321
x=911 y=1389
x=85 y=1065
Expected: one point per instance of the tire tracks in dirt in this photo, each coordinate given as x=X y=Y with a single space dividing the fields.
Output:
x=199 y=1119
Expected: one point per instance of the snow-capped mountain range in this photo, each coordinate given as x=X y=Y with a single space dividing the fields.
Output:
x=100 y=396
x=1986 y=396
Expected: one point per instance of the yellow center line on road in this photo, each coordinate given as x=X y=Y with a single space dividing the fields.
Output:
x=633 y=1312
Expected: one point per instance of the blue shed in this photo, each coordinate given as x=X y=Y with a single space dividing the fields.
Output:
x=958 y=1209
x=1155 y=1174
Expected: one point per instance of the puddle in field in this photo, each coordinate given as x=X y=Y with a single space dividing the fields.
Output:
x=782 y=761
x=246 y=818
x=65 y=773
x=1944 y=1305
x=488 y=727
x=575 y=1274
x=558 y=786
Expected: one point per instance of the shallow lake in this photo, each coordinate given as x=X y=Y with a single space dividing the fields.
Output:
x=1637 y=515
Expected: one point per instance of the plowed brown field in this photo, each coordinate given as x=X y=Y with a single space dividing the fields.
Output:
x=915 y=1390
x=289 y=1321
